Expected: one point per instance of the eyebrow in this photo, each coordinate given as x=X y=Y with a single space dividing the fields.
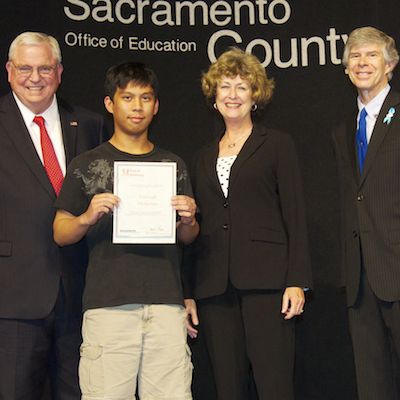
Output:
x=137 y=94
x=238 y=83
x=368 y=52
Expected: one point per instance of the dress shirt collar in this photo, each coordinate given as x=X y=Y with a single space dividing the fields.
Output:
x=373 y=108
x=375 y=105
x=51 y=115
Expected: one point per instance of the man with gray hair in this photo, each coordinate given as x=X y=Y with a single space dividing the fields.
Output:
x=41 y=284
x=368 y=154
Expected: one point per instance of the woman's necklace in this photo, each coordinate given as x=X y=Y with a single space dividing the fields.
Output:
x=231 y=144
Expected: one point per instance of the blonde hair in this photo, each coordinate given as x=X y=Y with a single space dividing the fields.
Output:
x=232 y=63
x=367 y=35
x=35 y=39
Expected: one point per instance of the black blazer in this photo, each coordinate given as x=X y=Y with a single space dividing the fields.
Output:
x=257 y=236
x=370 y=204
x=31 y=264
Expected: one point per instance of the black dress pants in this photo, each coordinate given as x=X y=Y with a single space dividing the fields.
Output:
x=244 y=331
x=375 y=333
x=36 y=352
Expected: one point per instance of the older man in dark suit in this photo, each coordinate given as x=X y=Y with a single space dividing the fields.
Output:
x=368 y=155
x=41 y=284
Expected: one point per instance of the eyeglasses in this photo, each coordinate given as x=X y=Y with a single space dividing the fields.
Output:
x=27 y=70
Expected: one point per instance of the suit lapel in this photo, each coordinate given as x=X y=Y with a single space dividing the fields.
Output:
x=380 y=131
x=69 y=127
x=255 y=140
x=209 y=164
x=351 y=128
x=18 y=133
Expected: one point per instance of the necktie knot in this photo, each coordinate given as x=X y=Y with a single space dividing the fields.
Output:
x=39 y=121
x=363 y=113
x=362 y=123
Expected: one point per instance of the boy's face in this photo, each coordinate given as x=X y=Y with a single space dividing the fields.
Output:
x=133 y=108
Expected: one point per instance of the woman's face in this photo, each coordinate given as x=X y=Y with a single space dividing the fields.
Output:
x=234 y=98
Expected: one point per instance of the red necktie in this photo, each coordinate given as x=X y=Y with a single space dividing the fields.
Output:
x=50 y=161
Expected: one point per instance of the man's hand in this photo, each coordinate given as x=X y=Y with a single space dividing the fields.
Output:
x=292 y=302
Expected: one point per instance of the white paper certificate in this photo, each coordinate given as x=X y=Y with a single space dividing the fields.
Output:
x=144 y=214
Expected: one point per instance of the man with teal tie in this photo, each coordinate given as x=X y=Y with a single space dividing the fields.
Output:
x=368 y=155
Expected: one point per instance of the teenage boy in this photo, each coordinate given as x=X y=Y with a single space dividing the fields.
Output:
x=134 y=324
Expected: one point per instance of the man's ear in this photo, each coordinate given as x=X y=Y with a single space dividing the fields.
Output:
x=390 y=67
x=156 y=107
x=59 y=72
x=108 y=103
x=8 y=68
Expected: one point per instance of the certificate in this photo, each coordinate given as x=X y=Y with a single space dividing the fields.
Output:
x=144 y=214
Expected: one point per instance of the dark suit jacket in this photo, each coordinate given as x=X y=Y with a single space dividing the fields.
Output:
x=370 y=204
x=31 y=264
x=257 y=236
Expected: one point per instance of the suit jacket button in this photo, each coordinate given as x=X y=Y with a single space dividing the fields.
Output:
x=226 y=204
x=360 y=197
x=225 y=226
x=355 y=234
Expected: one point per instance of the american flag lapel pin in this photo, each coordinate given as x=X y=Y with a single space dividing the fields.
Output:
x=73 y=123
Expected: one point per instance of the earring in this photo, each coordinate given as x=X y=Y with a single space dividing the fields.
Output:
x=254 y=107
x=215 y=106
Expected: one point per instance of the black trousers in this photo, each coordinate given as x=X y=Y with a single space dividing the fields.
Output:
x=375 y=333
x=244 y=331
x=36 y=352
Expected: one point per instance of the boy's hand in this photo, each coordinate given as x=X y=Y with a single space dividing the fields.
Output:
x=186 y=207
x=101 y=204
x=192 y=319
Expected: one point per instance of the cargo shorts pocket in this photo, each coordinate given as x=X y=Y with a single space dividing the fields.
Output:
x=91 y=371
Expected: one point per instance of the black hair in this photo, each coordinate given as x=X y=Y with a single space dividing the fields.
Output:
x=119 y=76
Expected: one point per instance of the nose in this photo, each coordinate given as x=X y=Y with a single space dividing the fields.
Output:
x=137 y=103
x=35 y=76
x=232 y=92
x=362 y=60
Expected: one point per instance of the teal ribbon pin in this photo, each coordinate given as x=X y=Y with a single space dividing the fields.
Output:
x=388 y=119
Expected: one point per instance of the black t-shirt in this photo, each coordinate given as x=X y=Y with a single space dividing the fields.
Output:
x=121 y=273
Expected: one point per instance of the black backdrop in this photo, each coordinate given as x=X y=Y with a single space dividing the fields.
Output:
x=302 y=43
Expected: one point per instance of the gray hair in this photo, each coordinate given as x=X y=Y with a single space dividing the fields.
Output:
x=369 y=34
x=35 y=39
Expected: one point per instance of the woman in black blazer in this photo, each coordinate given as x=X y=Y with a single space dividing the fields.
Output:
x=251 y=258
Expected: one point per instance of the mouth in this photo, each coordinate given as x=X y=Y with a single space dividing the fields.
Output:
x=363 y=74
x=136 y=119
x=34 y=89
x=232 y=105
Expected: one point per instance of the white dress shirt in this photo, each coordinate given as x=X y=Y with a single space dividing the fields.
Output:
x=373 y=108
x=53 y=127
